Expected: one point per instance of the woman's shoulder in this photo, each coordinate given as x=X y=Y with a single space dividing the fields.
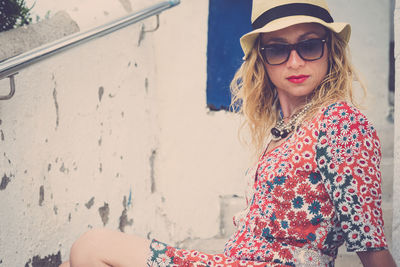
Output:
x=340 y=108
x=342 y=125
x=342 y=113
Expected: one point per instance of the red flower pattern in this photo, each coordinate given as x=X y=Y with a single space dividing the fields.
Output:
x=328 y=193
x=334 y=156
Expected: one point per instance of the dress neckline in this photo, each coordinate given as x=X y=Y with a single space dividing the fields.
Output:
x=268 y=143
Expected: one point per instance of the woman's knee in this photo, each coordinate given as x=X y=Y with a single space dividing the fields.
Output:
x=87 y=249
x=102 y=247
x=65 y=264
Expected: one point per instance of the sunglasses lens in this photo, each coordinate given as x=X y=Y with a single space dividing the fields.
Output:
x=276 y=53
x=311 y=49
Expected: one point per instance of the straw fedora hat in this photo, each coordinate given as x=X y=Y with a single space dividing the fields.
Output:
x=273 y=15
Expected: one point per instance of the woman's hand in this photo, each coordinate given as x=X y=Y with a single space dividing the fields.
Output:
x=376 y=258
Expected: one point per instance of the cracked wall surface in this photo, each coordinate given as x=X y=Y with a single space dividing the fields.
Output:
x=117 y=135
x=396 y=187
x=75 y=143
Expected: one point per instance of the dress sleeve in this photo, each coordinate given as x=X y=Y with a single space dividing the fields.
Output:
x=348 y=156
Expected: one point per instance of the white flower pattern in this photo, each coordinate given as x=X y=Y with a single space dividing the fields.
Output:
x=319 y=189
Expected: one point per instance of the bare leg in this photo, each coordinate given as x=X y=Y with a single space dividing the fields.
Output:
x=105 y=248
x=65 y=264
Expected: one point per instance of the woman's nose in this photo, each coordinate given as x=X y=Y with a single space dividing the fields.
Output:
x=295 y=60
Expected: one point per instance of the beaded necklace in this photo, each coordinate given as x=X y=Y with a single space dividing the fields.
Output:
x=282 y=129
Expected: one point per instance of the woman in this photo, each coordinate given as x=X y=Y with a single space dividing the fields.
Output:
x=317 y=181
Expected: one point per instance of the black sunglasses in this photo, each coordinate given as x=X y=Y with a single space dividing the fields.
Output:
x=309 y=50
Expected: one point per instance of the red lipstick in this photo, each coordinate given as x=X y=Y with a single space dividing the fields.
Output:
x=298 y=78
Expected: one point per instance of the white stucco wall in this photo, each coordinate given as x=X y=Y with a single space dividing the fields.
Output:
x=76 y=140
x=110 y=119
x=396 y=185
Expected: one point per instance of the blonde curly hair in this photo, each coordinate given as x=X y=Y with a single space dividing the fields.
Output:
x=254 y=95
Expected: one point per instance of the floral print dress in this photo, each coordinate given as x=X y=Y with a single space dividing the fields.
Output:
x=317 y=190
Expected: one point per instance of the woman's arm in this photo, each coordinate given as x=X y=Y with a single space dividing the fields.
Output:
x=376 y=258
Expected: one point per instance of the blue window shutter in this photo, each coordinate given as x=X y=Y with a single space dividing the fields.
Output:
x=228 y=20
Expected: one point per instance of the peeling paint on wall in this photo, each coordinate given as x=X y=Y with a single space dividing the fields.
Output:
x=5 y=156
x=2 y=135
x=56 y=105
x=104 y=212
x=90 y=203
x=41 y=195
x=130 y=198
x=123 y=219
x=53 y=260
x=64 y=169
x=101 y=92
x=75 y=166
x=152 y=178
x=4 y=182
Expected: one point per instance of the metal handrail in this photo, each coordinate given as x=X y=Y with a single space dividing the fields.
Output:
x=10 y=67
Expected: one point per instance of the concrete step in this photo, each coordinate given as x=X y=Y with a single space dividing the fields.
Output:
x=347 y=259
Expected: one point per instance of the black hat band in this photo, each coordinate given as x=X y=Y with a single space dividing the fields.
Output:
x=291 y=10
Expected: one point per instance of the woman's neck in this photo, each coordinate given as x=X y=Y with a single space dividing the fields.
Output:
x=289 y=108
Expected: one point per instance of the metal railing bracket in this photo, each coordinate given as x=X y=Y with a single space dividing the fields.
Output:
x=12 y=87
x=143 y=30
